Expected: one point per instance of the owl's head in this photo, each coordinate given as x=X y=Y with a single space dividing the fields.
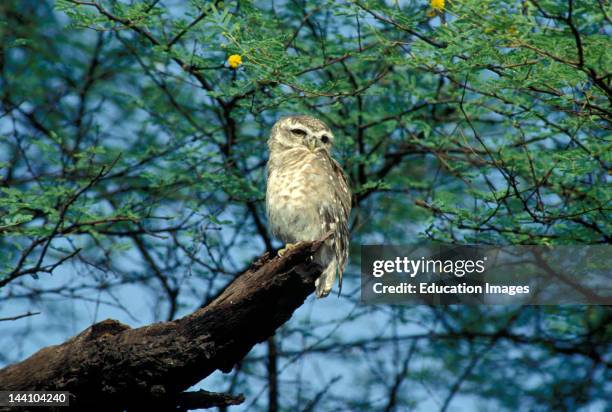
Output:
x=300 y=131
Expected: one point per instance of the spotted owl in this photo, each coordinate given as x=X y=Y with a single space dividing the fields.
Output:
x=308 y=194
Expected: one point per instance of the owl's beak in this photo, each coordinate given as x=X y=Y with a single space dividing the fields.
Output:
x=312 y=144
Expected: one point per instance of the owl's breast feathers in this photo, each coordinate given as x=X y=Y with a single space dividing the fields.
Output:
x=307 y=195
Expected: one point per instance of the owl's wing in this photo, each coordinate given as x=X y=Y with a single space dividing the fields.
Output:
x=341 y=238
x=343 y=188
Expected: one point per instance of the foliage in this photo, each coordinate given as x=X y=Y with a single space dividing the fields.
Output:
x=131 y=152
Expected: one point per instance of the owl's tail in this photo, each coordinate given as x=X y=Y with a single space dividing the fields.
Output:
x=325 y=282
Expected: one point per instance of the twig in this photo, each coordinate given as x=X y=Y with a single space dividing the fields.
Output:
x=24 y=315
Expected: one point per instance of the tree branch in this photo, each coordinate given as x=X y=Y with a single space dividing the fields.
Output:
x=123 y=368
x=205 y=399
x=17 y=317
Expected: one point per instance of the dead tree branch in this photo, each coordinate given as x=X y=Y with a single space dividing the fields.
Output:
x=112 y=366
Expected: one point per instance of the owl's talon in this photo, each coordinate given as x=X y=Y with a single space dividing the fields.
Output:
x=287 y=248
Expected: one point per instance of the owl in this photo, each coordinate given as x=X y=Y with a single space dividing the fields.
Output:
x=307 y=194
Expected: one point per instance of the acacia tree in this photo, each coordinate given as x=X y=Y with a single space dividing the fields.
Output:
x=132 y=156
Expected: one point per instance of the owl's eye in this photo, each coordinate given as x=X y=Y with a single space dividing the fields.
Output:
x=325 y=138
x=298 y=132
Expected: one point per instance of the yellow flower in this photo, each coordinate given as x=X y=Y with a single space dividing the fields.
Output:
x=437 y=4
x=234 y=61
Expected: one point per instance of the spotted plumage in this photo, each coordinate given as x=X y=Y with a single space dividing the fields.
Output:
x=308 y=194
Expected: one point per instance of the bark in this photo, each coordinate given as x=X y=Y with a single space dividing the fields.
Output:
x=110 y=366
